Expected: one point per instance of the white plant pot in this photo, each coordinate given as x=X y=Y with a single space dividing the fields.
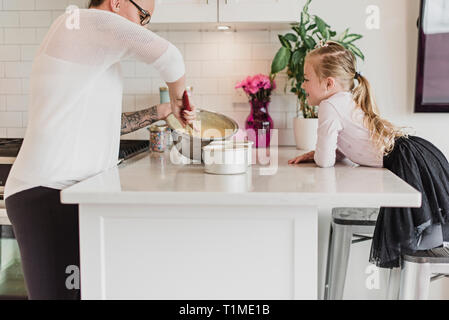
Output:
x=305 y=131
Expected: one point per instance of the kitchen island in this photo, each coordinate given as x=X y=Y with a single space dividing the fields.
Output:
x=155 y=228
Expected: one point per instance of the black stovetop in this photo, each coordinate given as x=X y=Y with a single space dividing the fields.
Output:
x=128 y=148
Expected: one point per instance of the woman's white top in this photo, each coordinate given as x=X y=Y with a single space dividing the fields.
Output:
x=74 y=118
x=340 y=127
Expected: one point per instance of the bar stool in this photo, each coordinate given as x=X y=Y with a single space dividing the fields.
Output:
x=349 y=226
x=419 y=269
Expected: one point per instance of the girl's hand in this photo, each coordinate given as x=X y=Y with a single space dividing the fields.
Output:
x=307 y=157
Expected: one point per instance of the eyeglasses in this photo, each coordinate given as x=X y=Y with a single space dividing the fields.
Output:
x=145 y=16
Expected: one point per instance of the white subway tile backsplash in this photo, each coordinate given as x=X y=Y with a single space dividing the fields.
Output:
x=201 y=51
x=279 y=119
x=24 y=119
x=234 y=51
x=15 y=132
x=19 y=4
x=17 y=69
x=144 y=101
x=204 y=86
x=35 y=18
x=251 y=67
x=129 y=103
x=20 y=35
x=9 y=19
x=17 y=102
x=184 y=37
x=40 y=34
x=289 y=119
x=1 y=36
x=9 y=53
x=3 y=132
x=51 y=4
x=193 y=69
x=286 y=137
x=263 y=51
x=218 y=37
x=79 y=3
x=2 y=104
x=2 y=69
x=252 y=36
x=217 y=103
x=25 y=86
x=28 y=52
x=56 y=14
x=136 y=86
x=10 y=86
x=11 y=119
x=216 y=69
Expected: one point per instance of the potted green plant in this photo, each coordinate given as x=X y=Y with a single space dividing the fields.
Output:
x=307 y=33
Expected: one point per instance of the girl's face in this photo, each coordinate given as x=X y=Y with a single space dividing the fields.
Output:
x=316 y=89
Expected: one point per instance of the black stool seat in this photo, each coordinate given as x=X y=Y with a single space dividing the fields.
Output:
x=437 y=255
x=355 y=216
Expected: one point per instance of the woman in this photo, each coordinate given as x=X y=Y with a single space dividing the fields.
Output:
x=73 y=130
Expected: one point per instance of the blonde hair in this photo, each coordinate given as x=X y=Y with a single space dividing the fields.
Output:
x=337 y=62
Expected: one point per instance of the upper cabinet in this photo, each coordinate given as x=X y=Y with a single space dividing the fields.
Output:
x=185 y=11
x=226 y=11
x=260 y=10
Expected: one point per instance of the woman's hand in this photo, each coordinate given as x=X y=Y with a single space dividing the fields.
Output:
x=307 y=157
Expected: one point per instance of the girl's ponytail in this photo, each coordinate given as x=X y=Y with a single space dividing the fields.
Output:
x=383 y=132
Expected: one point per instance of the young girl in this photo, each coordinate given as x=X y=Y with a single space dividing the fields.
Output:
x=349 y=126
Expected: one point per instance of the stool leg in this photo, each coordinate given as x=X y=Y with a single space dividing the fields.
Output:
x=340 y=248
x=394 y=282
x=328 y=265
x=415 y=281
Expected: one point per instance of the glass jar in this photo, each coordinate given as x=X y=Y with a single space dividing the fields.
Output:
x=164 y=95
x=158 y=138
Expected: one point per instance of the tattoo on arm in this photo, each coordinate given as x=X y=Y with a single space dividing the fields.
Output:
x=132 y=121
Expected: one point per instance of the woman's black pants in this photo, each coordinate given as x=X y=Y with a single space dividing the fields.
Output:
x=47 y=232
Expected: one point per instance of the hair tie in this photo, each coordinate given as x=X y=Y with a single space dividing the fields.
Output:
x=321 y=44
x=357 y=75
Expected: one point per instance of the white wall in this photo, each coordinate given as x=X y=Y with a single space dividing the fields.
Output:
x=216 y=61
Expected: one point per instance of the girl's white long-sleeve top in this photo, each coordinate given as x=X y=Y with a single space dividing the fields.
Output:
x=74 y=117
x=340 y=127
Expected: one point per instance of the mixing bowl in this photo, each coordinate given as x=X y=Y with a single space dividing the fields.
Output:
x=214 y=127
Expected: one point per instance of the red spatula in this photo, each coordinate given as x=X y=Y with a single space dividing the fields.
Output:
x=186 y=106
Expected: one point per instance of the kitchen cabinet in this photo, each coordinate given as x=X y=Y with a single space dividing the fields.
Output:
x=226 y=11
x=260 y=10
x=185 y=11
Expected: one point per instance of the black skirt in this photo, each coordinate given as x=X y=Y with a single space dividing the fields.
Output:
x=400 y=230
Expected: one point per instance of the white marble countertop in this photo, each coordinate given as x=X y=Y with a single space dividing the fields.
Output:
x=152 y=178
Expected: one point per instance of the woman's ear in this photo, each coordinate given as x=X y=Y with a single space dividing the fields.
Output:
x=115 y=5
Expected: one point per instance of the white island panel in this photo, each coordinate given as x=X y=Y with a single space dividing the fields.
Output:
x=198 y=253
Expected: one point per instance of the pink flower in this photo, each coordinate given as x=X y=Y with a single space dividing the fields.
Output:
x=259 y=85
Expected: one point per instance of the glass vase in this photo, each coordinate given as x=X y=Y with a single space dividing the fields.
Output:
x=259 y=124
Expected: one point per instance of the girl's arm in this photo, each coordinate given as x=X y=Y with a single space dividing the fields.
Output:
x=329 y=126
